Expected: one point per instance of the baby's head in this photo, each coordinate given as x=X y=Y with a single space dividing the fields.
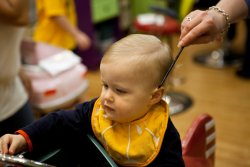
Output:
x=143 y=55
x=131 y=70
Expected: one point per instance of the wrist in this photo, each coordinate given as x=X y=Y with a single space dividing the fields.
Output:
x=221 y=18
x=27 y=141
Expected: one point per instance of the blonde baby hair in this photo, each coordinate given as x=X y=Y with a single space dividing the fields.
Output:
x=146 y=54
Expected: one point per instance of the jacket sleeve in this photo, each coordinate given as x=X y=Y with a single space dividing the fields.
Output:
x=61 y=128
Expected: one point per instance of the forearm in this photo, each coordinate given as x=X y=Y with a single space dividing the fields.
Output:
x=64 y=23
x=236 y=9
x=56 y=130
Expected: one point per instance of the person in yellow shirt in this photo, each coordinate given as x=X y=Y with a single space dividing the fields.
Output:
x=57 y=25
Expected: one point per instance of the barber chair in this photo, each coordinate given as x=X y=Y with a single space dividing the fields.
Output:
x=198 y=145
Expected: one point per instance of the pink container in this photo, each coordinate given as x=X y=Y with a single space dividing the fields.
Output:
x=49 y=92
x=32 y=51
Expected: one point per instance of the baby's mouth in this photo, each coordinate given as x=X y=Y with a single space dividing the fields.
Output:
x=108 y=108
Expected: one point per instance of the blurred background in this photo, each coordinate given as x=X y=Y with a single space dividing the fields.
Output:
x=205 y=78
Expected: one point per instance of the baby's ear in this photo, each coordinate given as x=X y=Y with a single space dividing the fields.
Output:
x=157 y=95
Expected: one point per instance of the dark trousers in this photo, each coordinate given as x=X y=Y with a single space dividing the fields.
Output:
x=20 y=119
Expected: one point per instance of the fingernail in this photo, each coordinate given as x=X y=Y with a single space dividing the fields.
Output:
x=180 y=44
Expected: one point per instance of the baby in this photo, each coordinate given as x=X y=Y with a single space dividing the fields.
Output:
x=129 y=119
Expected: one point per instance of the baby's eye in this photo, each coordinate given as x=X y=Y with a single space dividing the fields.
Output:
x=120 y=91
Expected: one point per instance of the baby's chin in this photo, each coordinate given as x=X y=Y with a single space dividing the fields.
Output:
x=112 y=117
x=109 y=116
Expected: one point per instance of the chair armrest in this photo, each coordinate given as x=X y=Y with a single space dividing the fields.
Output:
x=102 y=151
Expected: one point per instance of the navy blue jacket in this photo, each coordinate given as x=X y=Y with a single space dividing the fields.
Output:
x=68 y=128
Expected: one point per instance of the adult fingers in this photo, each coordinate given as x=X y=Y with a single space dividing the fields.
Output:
x=189 y=22
x=201 y=40
x=203 y=32
x=83 y=41
x=197 y=35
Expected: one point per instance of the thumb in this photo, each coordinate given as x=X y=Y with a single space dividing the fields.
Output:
x=13 y=147
x=17 y=145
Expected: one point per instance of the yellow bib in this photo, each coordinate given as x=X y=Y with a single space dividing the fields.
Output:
x=131 y=144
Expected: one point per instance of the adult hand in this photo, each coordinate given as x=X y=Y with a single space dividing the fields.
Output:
x=12 y=144
x=201 y=27
x=82 y=40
